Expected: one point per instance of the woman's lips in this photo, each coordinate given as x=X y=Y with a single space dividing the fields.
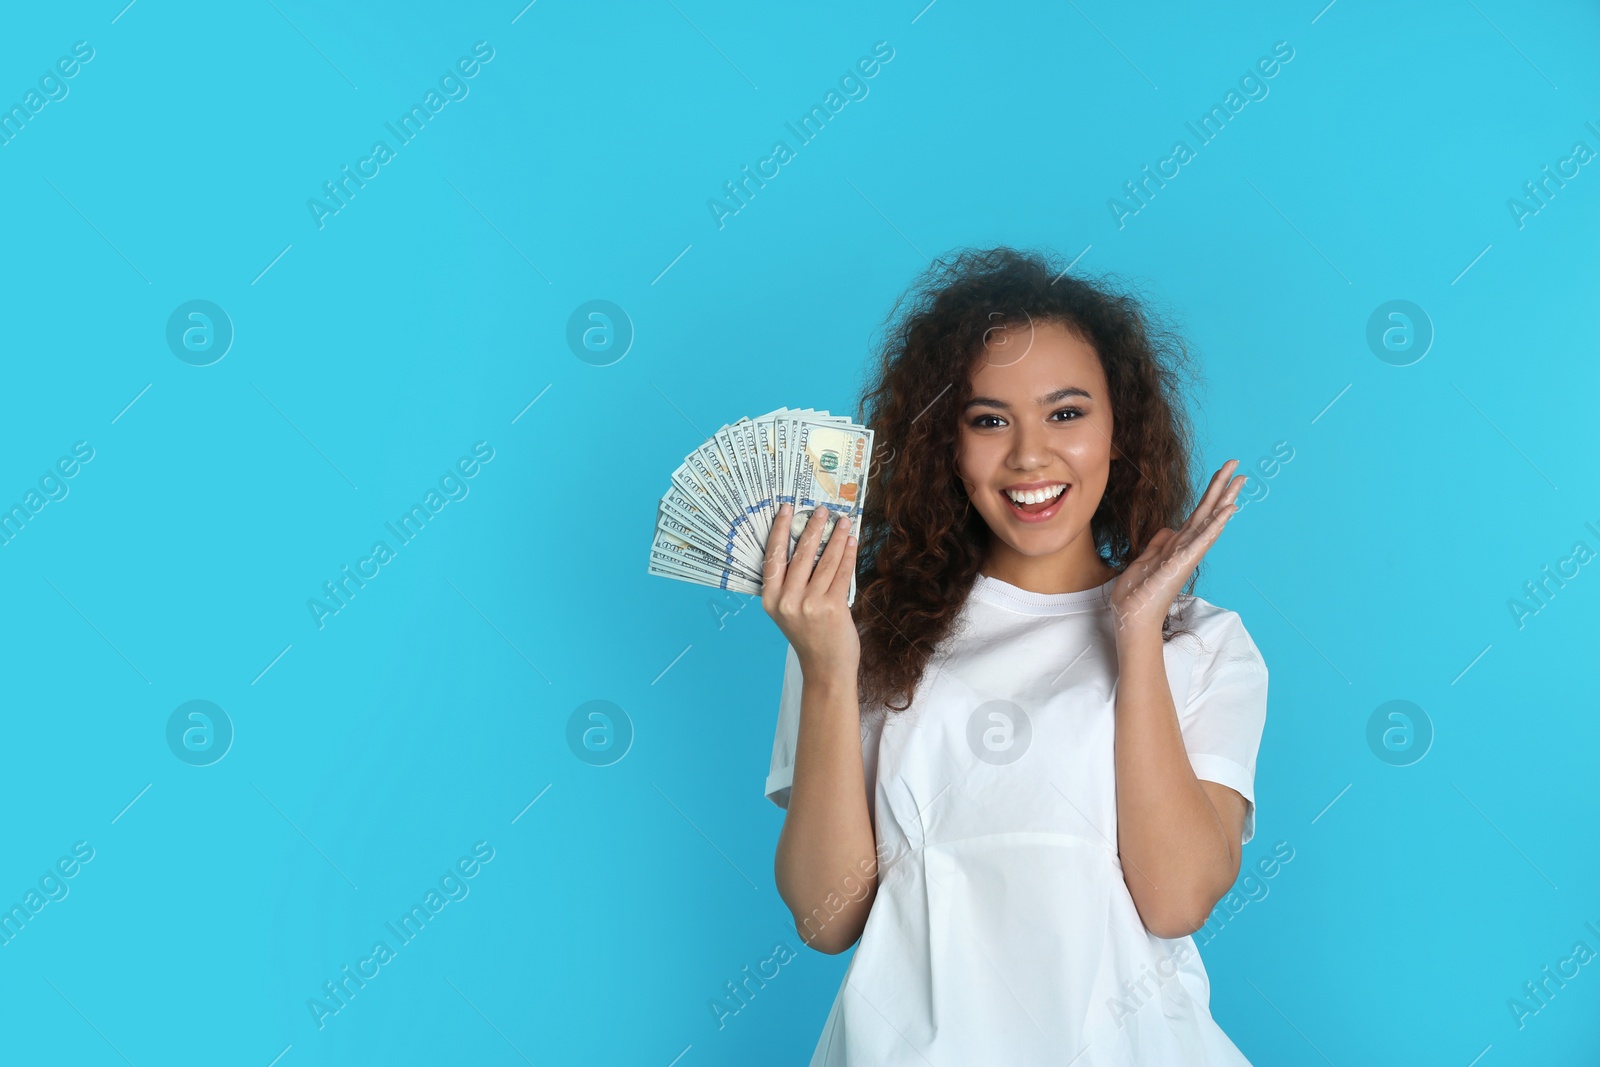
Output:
x=1043 y=515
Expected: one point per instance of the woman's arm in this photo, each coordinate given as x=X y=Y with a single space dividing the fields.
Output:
x=826 y=864
x=1178 y=836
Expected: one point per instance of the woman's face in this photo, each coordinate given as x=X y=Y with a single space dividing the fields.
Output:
x=1039 y=422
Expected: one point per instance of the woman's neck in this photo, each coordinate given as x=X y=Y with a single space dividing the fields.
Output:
x=1045 y=574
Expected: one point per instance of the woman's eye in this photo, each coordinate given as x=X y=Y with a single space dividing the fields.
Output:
x=979 y=423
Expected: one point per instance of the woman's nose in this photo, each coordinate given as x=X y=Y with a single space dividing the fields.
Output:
x=1028 y=449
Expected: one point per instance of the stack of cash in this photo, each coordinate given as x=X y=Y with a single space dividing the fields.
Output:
x=713 y=524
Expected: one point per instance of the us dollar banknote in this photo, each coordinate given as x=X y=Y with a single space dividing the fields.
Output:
x=714 y=521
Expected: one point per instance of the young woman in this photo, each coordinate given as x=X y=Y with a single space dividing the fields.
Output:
x=1020 y=771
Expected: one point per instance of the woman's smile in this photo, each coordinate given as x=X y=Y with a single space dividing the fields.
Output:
x=1035 y=501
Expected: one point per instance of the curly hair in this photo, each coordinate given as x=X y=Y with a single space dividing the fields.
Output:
x=921 y=541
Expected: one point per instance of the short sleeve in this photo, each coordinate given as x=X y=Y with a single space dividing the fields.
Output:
x=1226 y=709
x=781 y=774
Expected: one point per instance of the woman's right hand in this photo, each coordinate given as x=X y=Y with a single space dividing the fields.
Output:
x=808 y=603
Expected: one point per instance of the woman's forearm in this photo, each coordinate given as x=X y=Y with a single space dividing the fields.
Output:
x=826 y=863
x=1176 y=854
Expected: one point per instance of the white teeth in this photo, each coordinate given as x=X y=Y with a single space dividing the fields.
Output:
x=1036 y=496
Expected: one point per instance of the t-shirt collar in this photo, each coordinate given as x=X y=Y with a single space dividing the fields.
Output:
x=1005 y=595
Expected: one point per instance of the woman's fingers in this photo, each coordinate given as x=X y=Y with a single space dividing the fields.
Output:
x=840 y=589
x=1198 y=540
x=774 y=565
x=1219 y=499
x=802 y=562
x=1219 y=485
x=1209 y=499
x=828 y=565
x=790 y=577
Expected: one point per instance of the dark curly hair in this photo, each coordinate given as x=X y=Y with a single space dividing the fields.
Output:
x=921 y=541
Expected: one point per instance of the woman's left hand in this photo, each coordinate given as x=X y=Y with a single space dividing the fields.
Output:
x=1147 y=587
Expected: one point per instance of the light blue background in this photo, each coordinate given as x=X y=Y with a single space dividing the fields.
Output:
x=431 y=311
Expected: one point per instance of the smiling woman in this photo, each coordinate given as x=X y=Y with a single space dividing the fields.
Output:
x=1039 y=756
x=1014 y=407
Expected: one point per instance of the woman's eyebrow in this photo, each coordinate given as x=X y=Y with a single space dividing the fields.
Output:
x=1048 y=398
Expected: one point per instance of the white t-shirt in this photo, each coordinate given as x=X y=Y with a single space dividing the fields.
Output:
x=1002 y=930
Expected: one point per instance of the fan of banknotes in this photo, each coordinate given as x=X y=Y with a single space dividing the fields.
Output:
x=713 y=523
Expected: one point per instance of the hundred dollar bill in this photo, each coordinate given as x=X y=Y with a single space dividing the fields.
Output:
x=672 y=522
x=716 y=517
x=674 y=558
x=831 y=461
